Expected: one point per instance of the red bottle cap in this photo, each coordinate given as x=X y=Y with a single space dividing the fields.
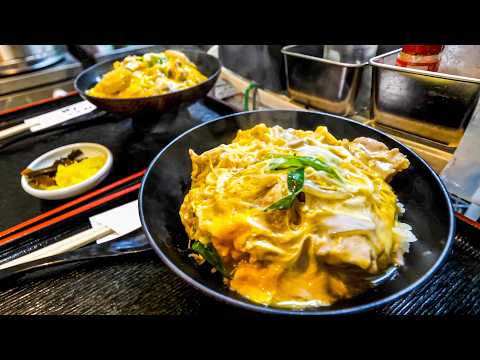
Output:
x=422 y=49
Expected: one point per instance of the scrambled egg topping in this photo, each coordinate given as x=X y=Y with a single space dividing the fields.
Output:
x=313 y=250
x=148 y=75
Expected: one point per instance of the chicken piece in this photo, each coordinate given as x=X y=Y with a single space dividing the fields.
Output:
x=179 y=57
x=385 y=162
x=354 y=250
x=370 y=144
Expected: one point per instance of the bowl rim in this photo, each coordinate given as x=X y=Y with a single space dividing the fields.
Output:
x=120 y=100
x=278 y=311
x=75 y=187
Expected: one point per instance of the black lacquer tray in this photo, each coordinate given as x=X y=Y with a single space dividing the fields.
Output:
x=141 y=284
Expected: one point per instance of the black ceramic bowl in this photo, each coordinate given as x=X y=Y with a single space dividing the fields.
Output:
x=428 y=208
x=207 y=64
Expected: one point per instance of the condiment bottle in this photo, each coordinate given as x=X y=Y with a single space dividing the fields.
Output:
x=421 y=57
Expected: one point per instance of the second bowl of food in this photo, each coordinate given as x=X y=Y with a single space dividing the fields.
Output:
x=295 y=212
x=149 y=83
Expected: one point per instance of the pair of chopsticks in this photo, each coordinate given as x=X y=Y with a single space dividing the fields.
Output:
x=106 y=226
x=49 y=119
x=76 y=115
x=35 y=224
x=71 y=243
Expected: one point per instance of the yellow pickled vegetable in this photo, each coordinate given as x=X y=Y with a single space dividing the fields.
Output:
x=68 y=175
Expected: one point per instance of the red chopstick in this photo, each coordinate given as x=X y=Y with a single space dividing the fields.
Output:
x=71 y=213
x=38 y=102
x=467 y=220
x=71 y=203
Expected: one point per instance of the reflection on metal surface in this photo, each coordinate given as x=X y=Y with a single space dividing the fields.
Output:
x=15 y=59
x=324 y=84
x=20 y=98
x=433 y=105
x=67 y=69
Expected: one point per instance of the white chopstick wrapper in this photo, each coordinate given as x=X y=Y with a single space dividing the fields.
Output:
x=59 y=116
x=105 y=227
x=49 y=119
x=121 y=220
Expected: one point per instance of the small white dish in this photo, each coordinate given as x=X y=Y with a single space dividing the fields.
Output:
x=47 y=159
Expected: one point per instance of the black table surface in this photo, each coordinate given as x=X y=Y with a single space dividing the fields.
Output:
x=142 y=284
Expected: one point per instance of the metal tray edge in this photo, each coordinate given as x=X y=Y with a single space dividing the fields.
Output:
x=317 y=59
x=373 y=62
